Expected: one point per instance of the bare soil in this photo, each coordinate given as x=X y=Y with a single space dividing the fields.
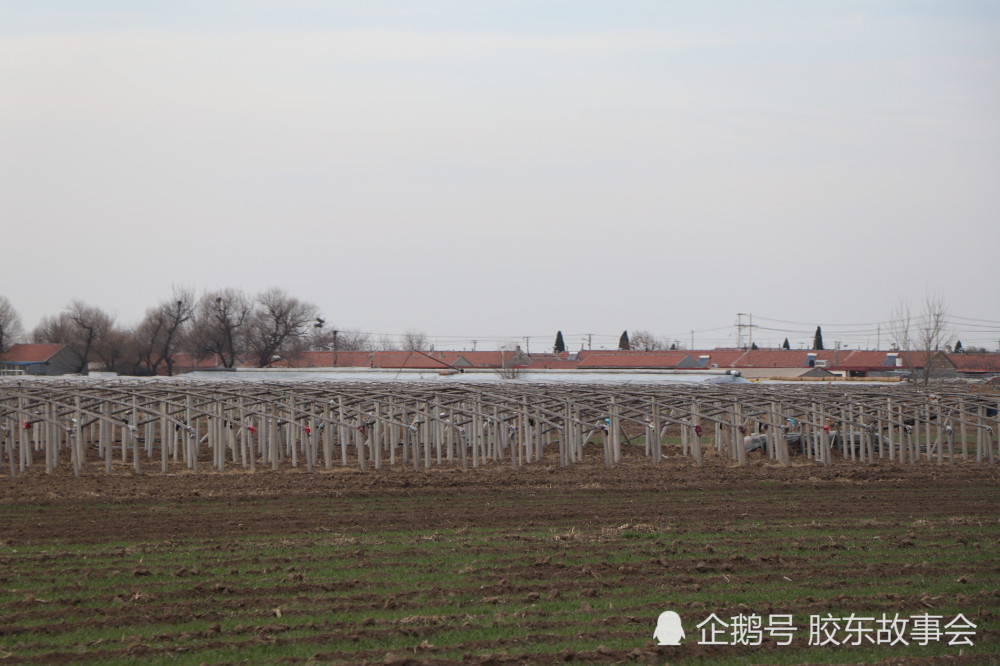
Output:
x=586 y=506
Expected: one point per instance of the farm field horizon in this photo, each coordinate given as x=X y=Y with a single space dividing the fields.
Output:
x=499 y=333
x=539 y=564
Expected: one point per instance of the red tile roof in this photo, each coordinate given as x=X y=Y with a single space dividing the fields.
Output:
x=788 y=358
x=409 y=359
x=976 y=363
x=722 y=358
x=439 y=360
x=477 y=359
x=775 y=358
x=559 y=361
x=30 y=353
x=435 y=360
x=324 y=359
x=631 y=359
x=615 y=359
x=859 y=359
x=916 y=359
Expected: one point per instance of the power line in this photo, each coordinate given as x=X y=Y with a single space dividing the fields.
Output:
x=858 y=334
x=988 y=321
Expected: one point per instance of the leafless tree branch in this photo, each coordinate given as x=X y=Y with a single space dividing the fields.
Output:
x=11 y=330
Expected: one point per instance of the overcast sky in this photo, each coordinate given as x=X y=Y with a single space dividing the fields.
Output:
x=492 y=170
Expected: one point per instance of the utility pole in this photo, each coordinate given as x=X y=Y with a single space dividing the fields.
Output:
x=692 y=340
x=739 y=330
x=474 y=345
x=590 y=340
x=335 y=331
x=527 y=345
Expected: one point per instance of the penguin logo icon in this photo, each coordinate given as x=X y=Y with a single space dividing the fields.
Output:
x=669 y=630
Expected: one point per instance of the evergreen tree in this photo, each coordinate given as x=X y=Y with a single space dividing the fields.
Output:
x=560 y=346
x=786 y=345
x=753 y=346
x=818 y=339
x=673 y=347
x=623 y=341
x=958 y=347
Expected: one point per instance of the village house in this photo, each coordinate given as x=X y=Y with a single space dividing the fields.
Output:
x=39 y=360
x=752 y=363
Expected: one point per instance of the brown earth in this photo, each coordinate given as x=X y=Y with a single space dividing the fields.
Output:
x=95 y=505
x=603 y=511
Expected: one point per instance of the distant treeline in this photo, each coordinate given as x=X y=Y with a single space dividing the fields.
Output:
x=228 y=324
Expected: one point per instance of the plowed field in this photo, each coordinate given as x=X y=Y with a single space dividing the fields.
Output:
x=493 y=565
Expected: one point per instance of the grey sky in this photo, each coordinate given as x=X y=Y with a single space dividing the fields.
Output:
x=507 y=169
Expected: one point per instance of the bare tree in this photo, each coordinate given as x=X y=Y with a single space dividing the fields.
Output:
x=177 y=311
x=354 y=339
x=219 y=324
x=125 y=352
x=278 y=326
x=645 y=341
x=147 y=339
x=901 y=325
x=972 y=349
x=325 y=338
x=53 y=329
x=932 y=332
x=81 y=327
x=414 y=340
x=159 y=334
x=10 y=325
x=386 y=343
x=113 y=348
x=511 y=362
x=92 y=324
x=921 y=337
